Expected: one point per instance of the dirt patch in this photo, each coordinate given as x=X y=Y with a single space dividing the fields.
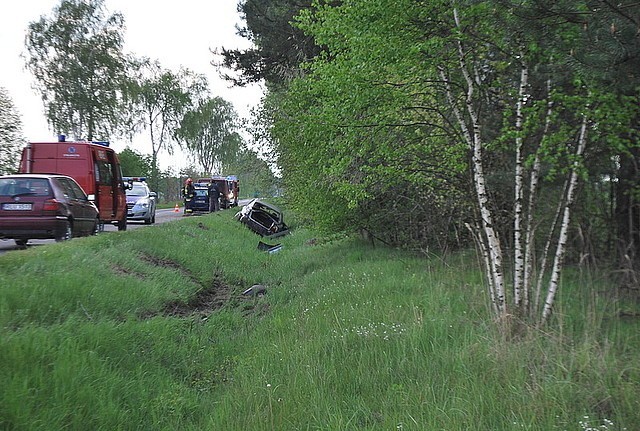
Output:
x=166 y=263
x=120 y=270
x=204 y=302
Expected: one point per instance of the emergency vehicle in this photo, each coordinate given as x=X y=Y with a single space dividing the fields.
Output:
x=93 y=165
x=141 y=201
x=229 y=187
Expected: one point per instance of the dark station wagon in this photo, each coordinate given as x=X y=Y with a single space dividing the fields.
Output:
x=44 y=206
x=201 y=199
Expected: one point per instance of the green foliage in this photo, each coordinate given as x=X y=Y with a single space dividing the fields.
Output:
x=256 y=177
x=79 y=68
x=158 y=99
x=359 y=133
x=596 y=39
x=11 y=139
x=134 y=164
x=278 y=47
x=210 y=134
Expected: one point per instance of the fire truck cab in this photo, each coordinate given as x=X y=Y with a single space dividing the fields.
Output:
x=93 y=165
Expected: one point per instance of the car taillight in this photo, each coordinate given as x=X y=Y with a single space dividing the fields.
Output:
x=50 y=205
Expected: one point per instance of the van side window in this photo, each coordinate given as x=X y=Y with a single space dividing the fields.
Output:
x=104 y=175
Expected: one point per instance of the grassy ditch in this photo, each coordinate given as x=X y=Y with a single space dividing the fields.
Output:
x=149 y=329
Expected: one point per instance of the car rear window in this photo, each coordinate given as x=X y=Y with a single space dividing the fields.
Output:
x=24 y=186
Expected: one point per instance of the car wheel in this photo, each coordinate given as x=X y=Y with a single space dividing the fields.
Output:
x=67 y=232
x=153 y=219
x=97 y=227
x=22 y=243
x=148 y=220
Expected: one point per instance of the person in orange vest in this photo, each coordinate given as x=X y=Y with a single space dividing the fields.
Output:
x=188 y=193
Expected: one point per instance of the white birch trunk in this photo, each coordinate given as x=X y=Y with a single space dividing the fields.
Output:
x=564 y=229
x=548 y=244
x=531 y=206
x=476 y=234
x=518 y=272
x=479 y=177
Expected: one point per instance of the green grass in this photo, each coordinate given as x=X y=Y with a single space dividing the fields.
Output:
x=148 y=330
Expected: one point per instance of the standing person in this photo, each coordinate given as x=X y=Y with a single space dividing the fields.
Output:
x=188 y=193
x=214 y=197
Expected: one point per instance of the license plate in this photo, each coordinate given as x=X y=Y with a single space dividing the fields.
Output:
x=16 y=207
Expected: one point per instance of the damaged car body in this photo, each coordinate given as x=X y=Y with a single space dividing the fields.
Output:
x=263 y=218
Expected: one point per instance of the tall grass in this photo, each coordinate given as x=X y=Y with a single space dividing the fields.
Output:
x=114 y=332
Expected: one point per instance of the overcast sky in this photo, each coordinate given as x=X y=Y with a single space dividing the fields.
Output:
x=177 y=33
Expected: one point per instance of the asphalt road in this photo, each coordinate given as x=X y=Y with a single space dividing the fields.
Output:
x=162 y=216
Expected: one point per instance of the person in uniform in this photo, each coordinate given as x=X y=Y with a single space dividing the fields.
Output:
x=188 y=193
x=214 y=197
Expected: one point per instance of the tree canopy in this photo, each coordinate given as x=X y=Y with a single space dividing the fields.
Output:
x=135 y=164
x=79 y=68
x=11 y=139
x=278 y=46
x=210 y=134
x=158 y=100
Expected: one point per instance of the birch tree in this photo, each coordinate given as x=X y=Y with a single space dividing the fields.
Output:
x=79 y=68
x=550 y=138
x=210 y=134
x=158 y=100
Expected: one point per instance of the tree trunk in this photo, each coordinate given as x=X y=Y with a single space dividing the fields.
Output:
x=534 y=178
x=474 y=139
x=564 y=229
x=519 y=261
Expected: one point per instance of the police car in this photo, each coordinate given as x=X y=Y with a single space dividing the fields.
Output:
x=141 y=202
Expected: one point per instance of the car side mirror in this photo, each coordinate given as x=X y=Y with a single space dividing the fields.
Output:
x=91 y=197
x=153 y=194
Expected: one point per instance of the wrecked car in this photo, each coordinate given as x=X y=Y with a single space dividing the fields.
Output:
x=263 y=218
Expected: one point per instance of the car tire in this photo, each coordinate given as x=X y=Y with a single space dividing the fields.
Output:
x=153 y=219
x=22 y=243
x=148 y=220
x=97 y=227
x=67 y=232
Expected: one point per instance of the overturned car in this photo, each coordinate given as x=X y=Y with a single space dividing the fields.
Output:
x=263 y=218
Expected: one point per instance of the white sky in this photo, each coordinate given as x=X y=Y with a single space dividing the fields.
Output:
x=177 y=33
